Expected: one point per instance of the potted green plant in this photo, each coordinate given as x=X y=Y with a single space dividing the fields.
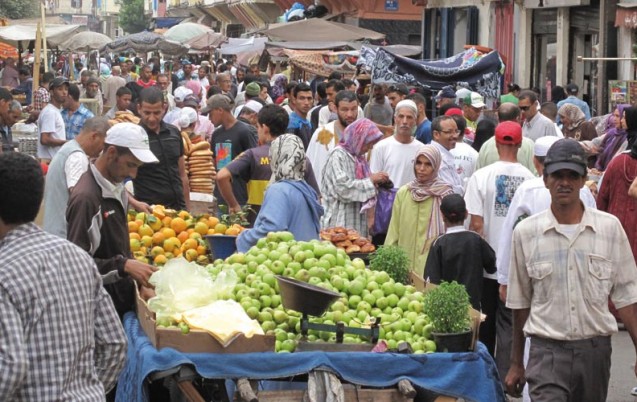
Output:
x=393 y=260
x=448 y=306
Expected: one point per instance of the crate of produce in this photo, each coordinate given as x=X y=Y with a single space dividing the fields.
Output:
x=196 y=341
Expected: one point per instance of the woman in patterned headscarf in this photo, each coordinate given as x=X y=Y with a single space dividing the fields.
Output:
x=574 y=124
x=290 y=204
x=416 y=220
x=347 y=183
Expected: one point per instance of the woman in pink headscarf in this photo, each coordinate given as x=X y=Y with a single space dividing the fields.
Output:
x=416 y=220
x=347 y=183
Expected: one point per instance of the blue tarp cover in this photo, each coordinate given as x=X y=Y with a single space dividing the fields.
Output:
x=472 y=376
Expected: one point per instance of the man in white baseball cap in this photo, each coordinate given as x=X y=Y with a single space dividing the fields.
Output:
x=97 y=208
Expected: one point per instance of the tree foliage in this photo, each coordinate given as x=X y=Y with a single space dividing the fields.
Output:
x=131 y=16
x=17 y=9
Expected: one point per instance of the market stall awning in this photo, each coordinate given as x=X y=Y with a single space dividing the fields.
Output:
x=145 y=42
x=55 y=34
x=316 y=29
x=85 y=40
x=323 y=63
x=308 y=45
x=206 y=41
x=186 y=31
x=479 y=71
x=238 y=45
x=626 y=15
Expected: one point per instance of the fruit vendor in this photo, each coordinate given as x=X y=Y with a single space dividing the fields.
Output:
x=347 y=183
x=253 y=165
x=96 y=213
x=166 y=182
x=290 y=204
x=60 y=333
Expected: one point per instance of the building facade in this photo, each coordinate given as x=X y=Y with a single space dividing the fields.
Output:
x=96 y=15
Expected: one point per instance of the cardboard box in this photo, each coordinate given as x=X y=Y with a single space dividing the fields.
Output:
x=476 y=316
x=197 y=341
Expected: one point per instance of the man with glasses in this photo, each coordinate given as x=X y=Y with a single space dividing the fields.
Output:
x=445 y=135
x=535 y=124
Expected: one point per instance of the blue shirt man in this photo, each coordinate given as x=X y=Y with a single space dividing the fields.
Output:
x=573 y=90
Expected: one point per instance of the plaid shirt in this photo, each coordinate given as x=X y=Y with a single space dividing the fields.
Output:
x=73 y=123
x=343 y=194
x=61 y=337
x=40 y=99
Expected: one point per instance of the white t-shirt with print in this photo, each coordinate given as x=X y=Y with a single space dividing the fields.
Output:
x=489 y=193
x=466 y=160
x=396 y=159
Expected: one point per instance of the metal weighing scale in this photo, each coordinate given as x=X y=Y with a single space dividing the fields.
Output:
x=314 y=300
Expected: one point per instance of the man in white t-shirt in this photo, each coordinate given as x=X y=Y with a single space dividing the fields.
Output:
x=465 y=156
x=51 y=128
x=66 y=168
x=530 y=198
x=395 y=155
x=326 y=138
x=488 y=196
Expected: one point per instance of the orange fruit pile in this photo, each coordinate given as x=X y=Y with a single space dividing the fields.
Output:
x=155 y=238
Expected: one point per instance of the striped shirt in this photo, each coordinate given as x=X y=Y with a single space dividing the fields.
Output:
x=73 y=122
x=566 y=275
x=343 y=194
x=61 y=337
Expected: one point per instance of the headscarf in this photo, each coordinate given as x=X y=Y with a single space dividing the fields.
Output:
x=355 y=137
x=613 y=139
x=433 y=187
x=630 y=114
x=574 y=114
x=280 y=82
x=287 y=158
x=194 y=86
x=105 y=71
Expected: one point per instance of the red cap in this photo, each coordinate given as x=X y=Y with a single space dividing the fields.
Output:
x=453 y=111
x=508 y=133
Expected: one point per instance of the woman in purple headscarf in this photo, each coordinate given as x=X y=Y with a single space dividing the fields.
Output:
x=347 y=183
x=614 y=139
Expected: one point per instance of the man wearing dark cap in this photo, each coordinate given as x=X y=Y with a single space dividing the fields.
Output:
x=445 y=96
x=51 y=127
x=572 y=90
x=488 y=196
x=252 y=91
x=565 y=264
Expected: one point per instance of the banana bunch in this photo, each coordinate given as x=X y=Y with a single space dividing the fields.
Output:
x=199 y=165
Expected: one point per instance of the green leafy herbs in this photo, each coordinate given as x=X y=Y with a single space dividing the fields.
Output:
x=239 y=218
x=393 y=260
x=448 y=308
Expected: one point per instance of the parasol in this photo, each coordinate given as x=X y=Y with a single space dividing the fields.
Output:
x=185 y=31
x=85 y=40
x=206 y=41
x=145 y=42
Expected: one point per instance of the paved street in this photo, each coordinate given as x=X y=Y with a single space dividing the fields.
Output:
x=622 y=377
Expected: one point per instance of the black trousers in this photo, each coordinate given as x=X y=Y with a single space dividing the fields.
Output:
x=504 y=339
x=490 y=297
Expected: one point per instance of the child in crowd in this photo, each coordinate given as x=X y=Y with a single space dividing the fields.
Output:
x=459 y=255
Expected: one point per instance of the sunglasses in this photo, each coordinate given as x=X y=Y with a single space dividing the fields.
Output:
x=524 y=108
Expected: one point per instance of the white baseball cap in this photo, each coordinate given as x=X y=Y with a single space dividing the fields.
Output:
x=181 y=93
x=133 y=137
x=543 y=144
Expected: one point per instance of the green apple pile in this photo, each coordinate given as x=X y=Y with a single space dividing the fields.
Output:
x=365 y=294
